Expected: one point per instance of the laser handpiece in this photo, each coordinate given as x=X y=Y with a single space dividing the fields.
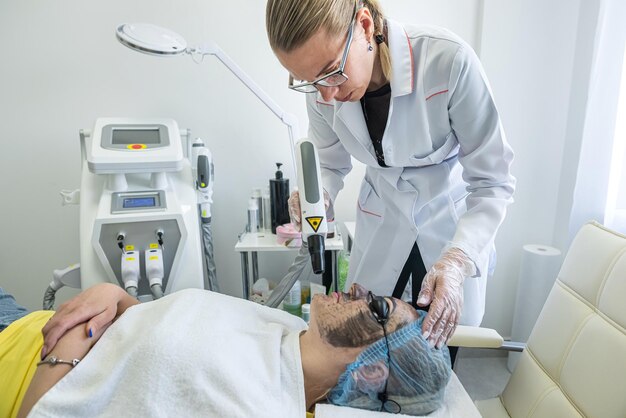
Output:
x=313 y=211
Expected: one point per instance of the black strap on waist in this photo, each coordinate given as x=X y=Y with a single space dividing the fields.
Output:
x=414 y=267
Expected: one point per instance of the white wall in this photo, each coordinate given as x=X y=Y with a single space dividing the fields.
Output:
x=66 y=69
x=529 y=48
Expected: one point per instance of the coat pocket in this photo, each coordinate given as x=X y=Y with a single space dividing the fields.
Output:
x=439 y=154
x=459 y=206
x=369 y=202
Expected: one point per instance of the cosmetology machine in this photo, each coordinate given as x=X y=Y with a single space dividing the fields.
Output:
x=145 y=210
x=155 y=205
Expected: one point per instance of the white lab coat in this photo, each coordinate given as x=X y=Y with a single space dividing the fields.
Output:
x=448 y=182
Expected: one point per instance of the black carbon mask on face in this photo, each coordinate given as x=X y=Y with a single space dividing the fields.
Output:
x=359 y=330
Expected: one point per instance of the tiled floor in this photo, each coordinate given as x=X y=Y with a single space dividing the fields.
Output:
x=483 y=373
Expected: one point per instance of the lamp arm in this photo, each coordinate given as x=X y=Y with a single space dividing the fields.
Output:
x=288 y=119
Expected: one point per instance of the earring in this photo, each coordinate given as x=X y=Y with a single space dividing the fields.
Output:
x=370 y=48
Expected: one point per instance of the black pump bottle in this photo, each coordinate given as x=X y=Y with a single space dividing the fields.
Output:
x=279 y=196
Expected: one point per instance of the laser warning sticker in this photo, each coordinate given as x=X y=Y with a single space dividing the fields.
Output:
x=315 y=222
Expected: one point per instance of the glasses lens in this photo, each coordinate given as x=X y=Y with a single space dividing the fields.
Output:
x=391 y=406
x=333 y=80
x=301 y=86
x=308 y=88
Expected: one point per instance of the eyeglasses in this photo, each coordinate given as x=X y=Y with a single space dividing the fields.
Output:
x=332 y=79
x=380 y=310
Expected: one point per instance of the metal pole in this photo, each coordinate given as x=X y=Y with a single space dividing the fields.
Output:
x=255 y=267
x=245 y=275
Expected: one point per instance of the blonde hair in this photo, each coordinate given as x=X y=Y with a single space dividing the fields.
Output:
x=290 y=23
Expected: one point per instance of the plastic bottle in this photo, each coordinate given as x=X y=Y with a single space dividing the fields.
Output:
x=256 y=194
x=267 y=211
x=292 y=302
x=253 y=216
x=331 y=229
x=306 y=312
x=279 y=195
x=343 y=264
x=305 y=292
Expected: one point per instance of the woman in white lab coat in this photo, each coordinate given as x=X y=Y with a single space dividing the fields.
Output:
x=413 y=104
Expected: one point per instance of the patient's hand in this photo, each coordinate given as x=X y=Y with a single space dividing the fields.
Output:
x=97 y=307
x=72 y=345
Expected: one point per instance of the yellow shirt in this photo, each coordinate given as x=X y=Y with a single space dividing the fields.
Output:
x=20 y=345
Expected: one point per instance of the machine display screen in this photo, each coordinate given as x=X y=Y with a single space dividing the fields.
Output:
x=139 y=202
x=135 y=136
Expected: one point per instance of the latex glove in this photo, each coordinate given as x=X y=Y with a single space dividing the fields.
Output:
x=442 y=288
x=295 y=212
x=96 y=307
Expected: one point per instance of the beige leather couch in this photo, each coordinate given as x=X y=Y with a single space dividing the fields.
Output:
x=575 y=362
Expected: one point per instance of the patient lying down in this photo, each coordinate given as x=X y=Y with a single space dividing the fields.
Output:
x=199 y=353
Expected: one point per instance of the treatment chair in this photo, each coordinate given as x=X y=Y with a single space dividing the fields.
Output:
x=574 y=364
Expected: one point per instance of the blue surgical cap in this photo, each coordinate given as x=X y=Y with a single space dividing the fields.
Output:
x=417 y=374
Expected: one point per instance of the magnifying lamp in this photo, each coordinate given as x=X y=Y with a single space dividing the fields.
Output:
x=154 y=40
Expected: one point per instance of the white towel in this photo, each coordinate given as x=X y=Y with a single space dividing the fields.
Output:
x=193 y=353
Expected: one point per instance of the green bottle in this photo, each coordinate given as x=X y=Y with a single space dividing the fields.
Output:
x=293 y=302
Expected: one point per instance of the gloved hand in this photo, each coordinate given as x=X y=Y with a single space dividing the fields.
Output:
x=97 y=307
x=295 y=211
x=442 y=288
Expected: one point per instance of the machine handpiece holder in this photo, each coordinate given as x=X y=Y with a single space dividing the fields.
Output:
x=204 y=183
x=314 y=226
